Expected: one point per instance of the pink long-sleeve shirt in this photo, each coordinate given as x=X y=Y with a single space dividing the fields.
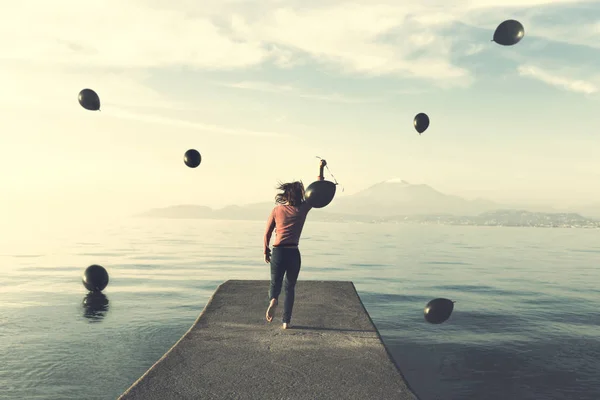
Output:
x=288 y=222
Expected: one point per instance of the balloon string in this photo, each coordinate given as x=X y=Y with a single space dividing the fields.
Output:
x=326 y=166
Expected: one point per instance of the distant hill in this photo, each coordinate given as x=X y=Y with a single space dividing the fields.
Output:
x=398 y=197
x=512 y=218
x=385 y=199
x=591 y=211
x=248 y=212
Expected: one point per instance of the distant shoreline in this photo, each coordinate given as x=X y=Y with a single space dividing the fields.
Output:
x=398 y=201
x=583 y=224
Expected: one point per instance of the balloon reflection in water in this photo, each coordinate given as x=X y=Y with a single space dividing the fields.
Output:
x=95 y=306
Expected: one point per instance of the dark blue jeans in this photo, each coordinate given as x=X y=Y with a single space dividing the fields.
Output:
x=285 y=261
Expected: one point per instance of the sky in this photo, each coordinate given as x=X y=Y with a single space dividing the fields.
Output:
x=261 y=88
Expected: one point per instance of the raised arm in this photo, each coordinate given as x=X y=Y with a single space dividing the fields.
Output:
x=269 y=231
x=322 y=165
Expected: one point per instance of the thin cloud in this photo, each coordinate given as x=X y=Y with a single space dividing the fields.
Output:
x=480 y=4
x=54 y=87
x=408 y=39
x=116 y=34
x=350 y=37
x=57 y=90
x=474 y=49
x=572 y=85
x=133 y=34
x=208 y=128
x=584 y=34
x=295 y=91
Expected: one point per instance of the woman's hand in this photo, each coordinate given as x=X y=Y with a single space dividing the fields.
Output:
x=267 y=258
x=322 y=165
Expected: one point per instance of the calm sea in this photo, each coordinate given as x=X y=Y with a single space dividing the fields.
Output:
x=526 y=323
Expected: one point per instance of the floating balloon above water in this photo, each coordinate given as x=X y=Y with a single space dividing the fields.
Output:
x=89 y=100
x=438 y=310
x=95 y=278
x=192 y=158
x=320 y=193
x=421 y=122
x=509 y=33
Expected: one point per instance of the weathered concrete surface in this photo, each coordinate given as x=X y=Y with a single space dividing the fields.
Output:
x=333 y=350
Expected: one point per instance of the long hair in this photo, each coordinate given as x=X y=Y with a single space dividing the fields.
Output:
x=292 y=193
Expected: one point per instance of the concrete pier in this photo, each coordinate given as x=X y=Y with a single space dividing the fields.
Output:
x=333 y=350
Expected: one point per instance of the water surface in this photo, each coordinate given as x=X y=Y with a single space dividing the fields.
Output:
x=526 y=323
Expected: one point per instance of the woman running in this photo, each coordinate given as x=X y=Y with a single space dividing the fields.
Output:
x=287 y=218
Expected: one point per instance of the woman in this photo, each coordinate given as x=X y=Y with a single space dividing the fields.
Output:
x=288 y=218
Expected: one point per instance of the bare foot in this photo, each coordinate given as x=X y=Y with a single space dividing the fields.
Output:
x=287 y=326
x=271 y=310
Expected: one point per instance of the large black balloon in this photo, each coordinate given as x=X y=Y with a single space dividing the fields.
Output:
x=438 y=310
x=192 y=158
x=95 y=278
x=89 y=100
x=320 y=193
x=421 y=122
x=508 y=33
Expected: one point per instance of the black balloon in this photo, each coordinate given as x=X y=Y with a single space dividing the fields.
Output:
x=508 y=33
x=192 y=158
x=320 y=193
x=438 y=310
x=95 y=278
x=421 y=122
x=89 y=100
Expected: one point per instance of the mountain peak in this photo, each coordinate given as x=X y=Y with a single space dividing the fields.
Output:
x=397 y=180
